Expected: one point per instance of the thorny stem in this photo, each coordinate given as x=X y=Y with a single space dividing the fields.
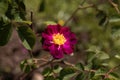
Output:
x=114 y=5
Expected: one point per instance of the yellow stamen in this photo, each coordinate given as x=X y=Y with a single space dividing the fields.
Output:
x=59 y=39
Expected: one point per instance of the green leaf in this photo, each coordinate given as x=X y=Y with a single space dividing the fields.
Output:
x=57 y=68
x=103 y=56
x=114 y=20
x=103 y=21
x=27 y=37
x=24 y=22
x=116 y=34
x=10 y=12
x=42 y=6
x=68 y=77
x=98 y=77
x=22 y=64
x=80 y=66
x=27 y=65
x=93 y=49
x=66 y=71
x=3 y=7
x=81 y=76
x=102 y=16
x=91 y=75
x=115 y=75
x=5 y=32
x=117 y=56
x=30 y=61
x=49 y=78
x=16 y=10
x=27 y=68
x=50 y=23
x=47 y=71
x=100 y=72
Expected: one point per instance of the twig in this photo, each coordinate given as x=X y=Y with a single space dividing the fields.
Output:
x=41 y=59
x=79 y=7
x=111 y=70
x=31 y=17
x=115 y=6
x=30 y=53
x=47 y=63
x=84 y=7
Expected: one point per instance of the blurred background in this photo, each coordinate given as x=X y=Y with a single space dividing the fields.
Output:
x=97 y=29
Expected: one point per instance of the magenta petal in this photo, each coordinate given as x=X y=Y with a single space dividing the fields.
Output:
x=52 y=29
x=46 y=44
x=46 y=36
x=73 y=39
x=56 y=51
x=68 y=49
x=64 y=30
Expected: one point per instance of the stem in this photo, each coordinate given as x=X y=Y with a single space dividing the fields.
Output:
x=30 y=53
x=31 y=17
x=71 y=16
x=115 y=6
x=78 y=8
x=74 y=12
x=111 y=70
x=47 y=63
x=83 y=2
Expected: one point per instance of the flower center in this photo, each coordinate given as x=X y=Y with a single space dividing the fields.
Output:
x=59 y=39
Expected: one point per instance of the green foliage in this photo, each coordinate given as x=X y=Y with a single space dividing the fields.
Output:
x=80 y=66
x=50 y=23
x=27 y=37
x=27 y=65
x=47 y=71
x=16 y=8
x=57 y=69
x=42 y=6
x=67 y=72
x=3 y=7
x=81 y=76
x=49 y=78
x=5 y=32
x=13 y=15
x=100 y=45
x=102 y=17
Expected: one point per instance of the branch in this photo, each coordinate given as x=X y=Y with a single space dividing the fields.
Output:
x=111 y=70
x=31 y=16
x=115 y=6
x=79 y=7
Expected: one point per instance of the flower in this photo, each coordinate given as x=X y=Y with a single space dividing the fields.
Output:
x=58 y=40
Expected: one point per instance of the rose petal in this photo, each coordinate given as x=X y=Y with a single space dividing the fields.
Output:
x=64 y=30
x=46 y=44
x=73 y=39
x=53 y=29
x=46 y=36
x=68 y=49
x=56 y=51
